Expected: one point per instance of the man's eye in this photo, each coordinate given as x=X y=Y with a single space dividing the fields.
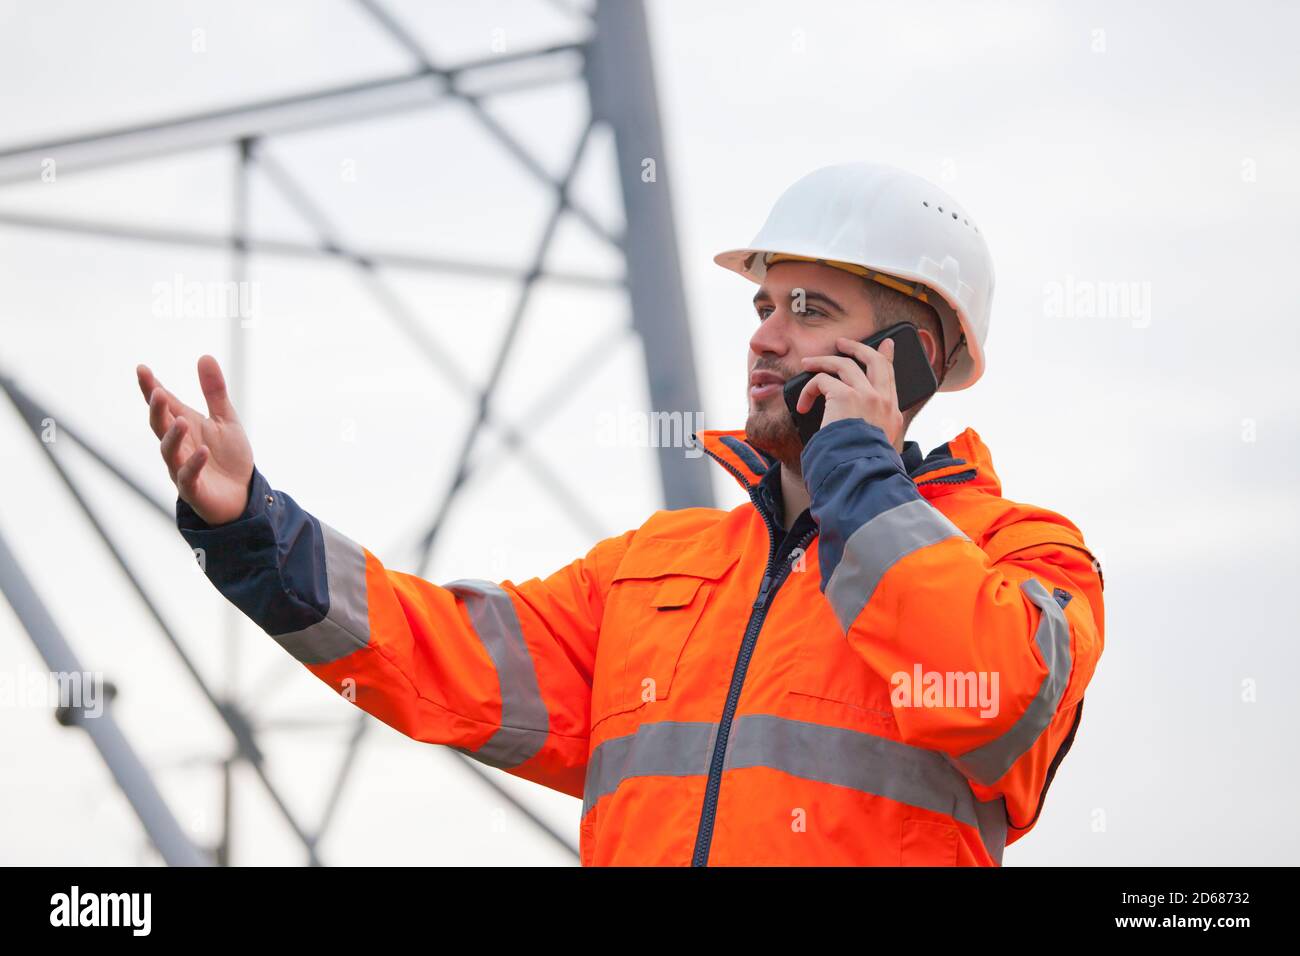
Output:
x=763 y=311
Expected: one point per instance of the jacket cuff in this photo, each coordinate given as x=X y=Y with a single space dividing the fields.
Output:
x=187 y=519
x=854 y=476
x=269 y=562
x=842 y=441
x=231 y=554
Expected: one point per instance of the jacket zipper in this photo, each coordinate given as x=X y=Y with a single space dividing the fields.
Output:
x=773 y=578
x=772 y=581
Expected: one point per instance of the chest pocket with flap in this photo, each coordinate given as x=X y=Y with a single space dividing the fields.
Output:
x=655 y=601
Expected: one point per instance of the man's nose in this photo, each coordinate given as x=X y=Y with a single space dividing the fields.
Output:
x=772 y=334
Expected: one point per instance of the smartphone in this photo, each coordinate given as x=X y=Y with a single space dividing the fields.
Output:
x=913 y=378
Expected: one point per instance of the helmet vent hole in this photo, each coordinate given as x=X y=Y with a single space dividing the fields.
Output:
x=941 y=209
x=925 y=204
x=954 y=215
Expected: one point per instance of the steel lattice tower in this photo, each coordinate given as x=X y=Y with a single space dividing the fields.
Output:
x=611 y=58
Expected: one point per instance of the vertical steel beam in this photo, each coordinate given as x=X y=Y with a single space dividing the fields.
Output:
x=620 y=78
x=130 y=774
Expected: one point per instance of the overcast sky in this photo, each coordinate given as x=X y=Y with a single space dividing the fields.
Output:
x=1149 y=151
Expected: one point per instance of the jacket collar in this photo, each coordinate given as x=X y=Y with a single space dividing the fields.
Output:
x=963 y=462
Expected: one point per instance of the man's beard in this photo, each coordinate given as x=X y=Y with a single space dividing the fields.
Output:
x=770 y=428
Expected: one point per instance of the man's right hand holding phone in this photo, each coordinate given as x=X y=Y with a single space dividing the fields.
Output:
x=852 y=393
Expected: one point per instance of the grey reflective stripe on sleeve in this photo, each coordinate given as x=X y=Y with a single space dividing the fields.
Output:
x=525 y=723
x=832 y=755
x=876 y=546
x=666 y=748
x=346 y=626
x=988 y=762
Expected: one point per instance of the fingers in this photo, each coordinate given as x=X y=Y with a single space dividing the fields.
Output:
x=160 y=419
x=213 y=383
x=172 y=445
x=150 y=384
x=879 y=362
x=144 y=376
x=160 y=413
x=887 y=348
x=822 y=383
x=848 y=371
x=187 y=479
x=172 y=420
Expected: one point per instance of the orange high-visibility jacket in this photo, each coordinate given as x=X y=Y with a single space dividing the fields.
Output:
x=894 y=681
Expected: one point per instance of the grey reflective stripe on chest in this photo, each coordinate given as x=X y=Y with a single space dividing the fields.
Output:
x=869 y=764
x=665 y=748
x=809 y=751
x=525 y=723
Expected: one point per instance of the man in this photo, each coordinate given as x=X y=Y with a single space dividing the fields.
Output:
x=878 y=660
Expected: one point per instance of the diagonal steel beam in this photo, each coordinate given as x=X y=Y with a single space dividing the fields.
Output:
x=512 y=145
x=410 y=325
x=284 y=114
x=532 y=818
x=236 y=722
x=494 y=376
x=359 y=726
x=130 y=773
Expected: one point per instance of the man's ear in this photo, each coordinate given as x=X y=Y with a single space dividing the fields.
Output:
x=933 y=353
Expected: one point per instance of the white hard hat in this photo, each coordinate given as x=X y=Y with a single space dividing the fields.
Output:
x=889 y=225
